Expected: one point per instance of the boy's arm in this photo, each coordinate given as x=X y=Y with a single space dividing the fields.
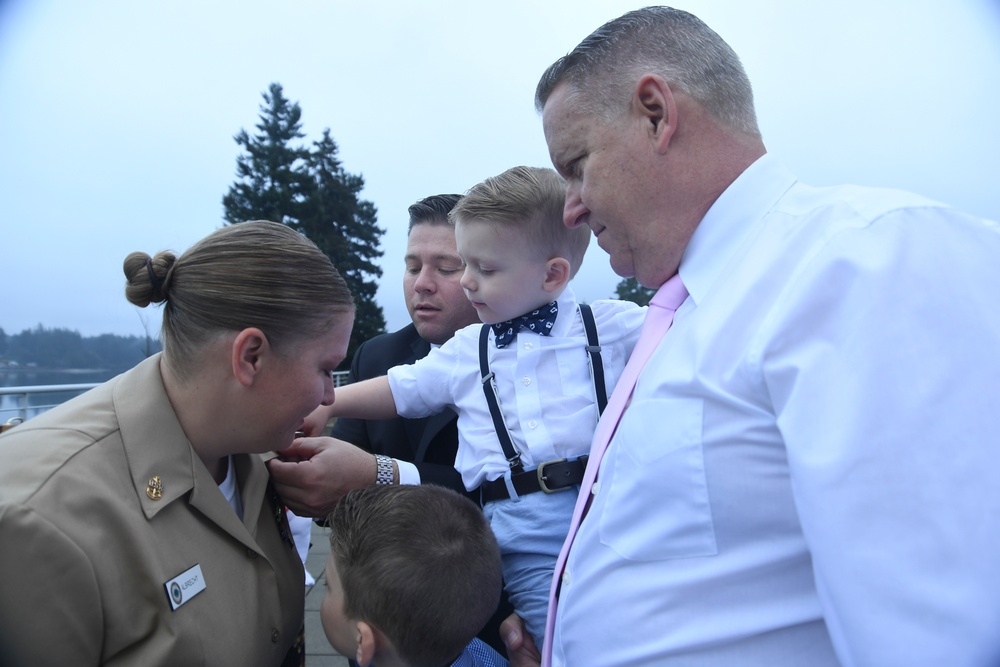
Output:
x=368 y=399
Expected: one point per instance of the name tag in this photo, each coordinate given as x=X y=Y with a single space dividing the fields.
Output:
x=185 y=586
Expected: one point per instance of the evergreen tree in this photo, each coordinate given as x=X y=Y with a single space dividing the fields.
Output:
x=309 y=190
x=345 y=228
x=272 y=179
x=630 y=290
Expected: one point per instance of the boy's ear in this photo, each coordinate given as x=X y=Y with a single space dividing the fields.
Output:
x=367 y=644
x=556 y=274
x=248 y=348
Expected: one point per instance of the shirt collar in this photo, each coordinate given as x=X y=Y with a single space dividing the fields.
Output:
x=152 y=437
x=731 y=221
x=567 y=313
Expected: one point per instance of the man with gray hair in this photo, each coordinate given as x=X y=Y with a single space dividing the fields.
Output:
x=805 y=471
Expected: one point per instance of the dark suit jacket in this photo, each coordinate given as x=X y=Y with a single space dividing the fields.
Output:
x=430 y=442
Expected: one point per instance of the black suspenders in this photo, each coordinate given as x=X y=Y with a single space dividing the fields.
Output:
x=594 y=355
x=489 y=384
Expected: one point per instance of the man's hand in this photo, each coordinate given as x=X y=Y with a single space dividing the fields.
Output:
x=521 y=650
x=316 y=421
x=313 y=474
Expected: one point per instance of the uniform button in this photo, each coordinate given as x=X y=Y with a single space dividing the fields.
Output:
x=529 y=345
x=526 y=380
x=565 y=578
x=251 y=554
x=595 y=488
x=275 y=635
x=532 y=424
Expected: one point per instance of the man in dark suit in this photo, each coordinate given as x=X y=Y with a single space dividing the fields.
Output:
x=438 y=307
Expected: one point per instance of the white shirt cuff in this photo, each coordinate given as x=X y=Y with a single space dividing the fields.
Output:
x=408 y=473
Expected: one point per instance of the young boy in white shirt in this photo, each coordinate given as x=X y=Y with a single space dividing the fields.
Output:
x=519 y=258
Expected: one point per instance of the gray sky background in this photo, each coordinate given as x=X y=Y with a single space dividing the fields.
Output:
x=117 y=116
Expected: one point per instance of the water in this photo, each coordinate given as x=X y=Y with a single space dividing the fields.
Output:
x=22 y=377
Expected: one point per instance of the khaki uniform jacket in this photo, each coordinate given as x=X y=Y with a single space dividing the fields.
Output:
x=86 y=553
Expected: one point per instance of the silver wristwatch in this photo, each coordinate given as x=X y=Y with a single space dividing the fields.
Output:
x=384 y=473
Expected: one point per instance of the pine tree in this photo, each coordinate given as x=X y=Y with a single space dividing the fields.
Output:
x=309 y=190
x=345 y=228
x=272 y=177
x=630 y=290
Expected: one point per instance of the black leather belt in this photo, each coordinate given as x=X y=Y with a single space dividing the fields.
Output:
x=550 y=477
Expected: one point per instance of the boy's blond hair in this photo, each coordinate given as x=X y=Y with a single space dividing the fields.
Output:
x=531 y=198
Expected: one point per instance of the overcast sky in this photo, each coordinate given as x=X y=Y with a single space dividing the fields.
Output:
x=117 y=117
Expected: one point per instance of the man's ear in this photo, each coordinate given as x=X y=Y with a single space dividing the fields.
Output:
x=556 y=274
x=653 y=99
x=367 y=642
x=249 y=346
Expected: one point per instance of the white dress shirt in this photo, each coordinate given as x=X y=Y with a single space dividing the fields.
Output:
x=544 y=387
x=807 y=473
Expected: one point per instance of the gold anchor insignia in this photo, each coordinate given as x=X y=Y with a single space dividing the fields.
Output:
x=154 y=488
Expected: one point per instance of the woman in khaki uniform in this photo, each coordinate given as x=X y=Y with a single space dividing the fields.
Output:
x=137 y=524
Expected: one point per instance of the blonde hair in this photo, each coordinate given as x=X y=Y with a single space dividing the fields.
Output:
x=531 y=198
x=252 y=274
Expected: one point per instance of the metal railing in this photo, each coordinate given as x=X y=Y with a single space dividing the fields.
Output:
x=33 y=400
x=46 y=396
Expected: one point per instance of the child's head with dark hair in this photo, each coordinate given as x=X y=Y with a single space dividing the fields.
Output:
x=413 y=575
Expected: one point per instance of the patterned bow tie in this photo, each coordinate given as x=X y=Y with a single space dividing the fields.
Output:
x=539 y=321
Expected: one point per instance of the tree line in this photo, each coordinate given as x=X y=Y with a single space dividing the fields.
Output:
x=64 y=348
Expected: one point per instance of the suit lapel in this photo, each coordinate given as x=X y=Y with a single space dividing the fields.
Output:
x=419 y=347
x=207 y=499
x=433 y=425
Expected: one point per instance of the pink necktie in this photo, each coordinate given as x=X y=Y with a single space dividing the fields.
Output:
x=659 y=317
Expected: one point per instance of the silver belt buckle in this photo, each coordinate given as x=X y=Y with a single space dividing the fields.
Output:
x=540 y=471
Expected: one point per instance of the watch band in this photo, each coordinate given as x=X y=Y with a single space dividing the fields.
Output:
x=385 y=472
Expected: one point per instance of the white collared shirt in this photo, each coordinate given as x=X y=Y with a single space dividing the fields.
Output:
x=544 y=387
x=230 y=490
x=807 y=471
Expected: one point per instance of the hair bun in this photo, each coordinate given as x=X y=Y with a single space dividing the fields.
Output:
x=147 y=278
